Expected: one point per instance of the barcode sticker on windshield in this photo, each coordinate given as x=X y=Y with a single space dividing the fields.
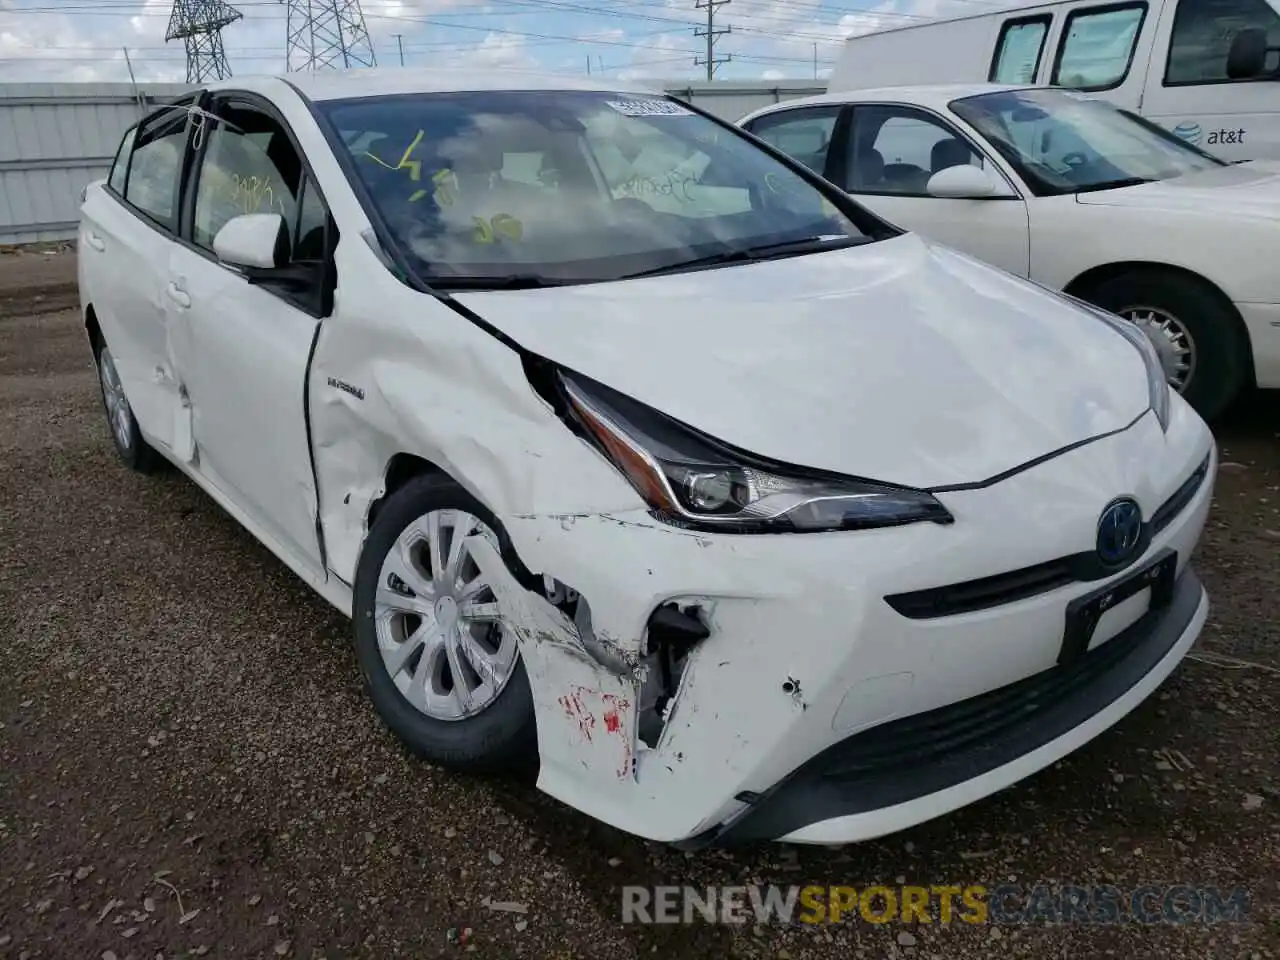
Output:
x=649 y=108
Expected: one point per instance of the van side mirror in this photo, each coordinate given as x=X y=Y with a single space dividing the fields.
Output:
x=967 y=182
x=1247 y=57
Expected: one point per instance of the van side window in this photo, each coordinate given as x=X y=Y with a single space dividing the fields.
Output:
x=1202 y=35
x=1018 y=51
x=1097 y=46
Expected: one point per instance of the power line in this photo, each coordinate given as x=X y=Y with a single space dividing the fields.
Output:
x=712 y=33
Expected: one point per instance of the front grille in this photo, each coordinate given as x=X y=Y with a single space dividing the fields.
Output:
x=1001 y=588
x=1170 y=509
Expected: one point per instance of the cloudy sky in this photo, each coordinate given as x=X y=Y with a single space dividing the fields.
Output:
x=83 y=40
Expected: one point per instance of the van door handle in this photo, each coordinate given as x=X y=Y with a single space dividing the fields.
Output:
x=95 y=241
x=178 y=295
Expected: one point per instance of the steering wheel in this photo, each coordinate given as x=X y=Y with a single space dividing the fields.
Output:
x=1075 y=159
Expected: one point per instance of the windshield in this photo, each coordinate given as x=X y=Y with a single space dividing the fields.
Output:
x=570 y=186
x=1065 y=142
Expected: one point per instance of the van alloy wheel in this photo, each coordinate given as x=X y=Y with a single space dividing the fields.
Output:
x=442 y=640
x=1172 y=340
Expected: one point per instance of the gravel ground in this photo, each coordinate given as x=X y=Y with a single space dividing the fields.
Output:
x=188 y=766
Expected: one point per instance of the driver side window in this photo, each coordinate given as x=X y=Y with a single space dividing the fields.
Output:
x=250 y=165
x=896 y=150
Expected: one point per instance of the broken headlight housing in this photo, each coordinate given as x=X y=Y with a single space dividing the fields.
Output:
x=692 y=480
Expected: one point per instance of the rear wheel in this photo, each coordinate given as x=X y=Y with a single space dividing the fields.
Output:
x=1198 y=335
x=136 y=453
x=442 y=668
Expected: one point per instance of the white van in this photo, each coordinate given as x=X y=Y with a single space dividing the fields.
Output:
x=1205 y=69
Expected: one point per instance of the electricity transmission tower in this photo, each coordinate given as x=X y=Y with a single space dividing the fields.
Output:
x=712 y=34
x=199 y=24
x=326 y=34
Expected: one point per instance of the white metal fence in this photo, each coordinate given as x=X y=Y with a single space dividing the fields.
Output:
x=57 y=137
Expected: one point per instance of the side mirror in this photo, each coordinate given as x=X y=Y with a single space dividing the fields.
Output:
x=967 y=182
x=256 y=240
x=1247 y=56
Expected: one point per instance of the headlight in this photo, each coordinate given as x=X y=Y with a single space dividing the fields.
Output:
x=1158 y=388
x=691 y=480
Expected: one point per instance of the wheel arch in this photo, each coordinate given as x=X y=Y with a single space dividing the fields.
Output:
x=1096 y=276
x=93 y=330
x=400 y=469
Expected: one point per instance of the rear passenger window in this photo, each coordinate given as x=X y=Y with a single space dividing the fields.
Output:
x=154 y=165
x=1202 y=35
x=1018 y=51
x=120 y=167
x=803 y=135
x=1097 y=46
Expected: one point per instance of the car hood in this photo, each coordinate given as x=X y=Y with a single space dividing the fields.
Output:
x=899 y=361
x=1250 y=190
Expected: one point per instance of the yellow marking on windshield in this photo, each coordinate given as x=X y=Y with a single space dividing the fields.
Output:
x=508 y=226
x=413 y=166
x=446 y=187
x=487 y=231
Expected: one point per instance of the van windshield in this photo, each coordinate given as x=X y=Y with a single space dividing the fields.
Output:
x=567 y=186
x=1061 y=141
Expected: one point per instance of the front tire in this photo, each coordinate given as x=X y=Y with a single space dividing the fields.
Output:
x=442 y=668
x=1198 y=335
x=134 y=451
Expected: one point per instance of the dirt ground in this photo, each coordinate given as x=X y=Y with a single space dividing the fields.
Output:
x=188 y=766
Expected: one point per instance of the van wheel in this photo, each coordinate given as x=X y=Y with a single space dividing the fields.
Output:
x=136 y=453
x=442 y=667
x=1198 y=335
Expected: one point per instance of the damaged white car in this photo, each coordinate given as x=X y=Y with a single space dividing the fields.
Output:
x=634 y=449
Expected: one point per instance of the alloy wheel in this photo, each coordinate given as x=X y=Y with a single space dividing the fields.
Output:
x=119 y=415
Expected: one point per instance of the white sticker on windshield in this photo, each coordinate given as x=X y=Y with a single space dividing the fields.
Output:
x=649 y=108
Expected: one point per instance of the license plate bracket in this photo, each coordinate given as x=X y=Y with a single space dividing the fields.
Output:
x=1084 y=613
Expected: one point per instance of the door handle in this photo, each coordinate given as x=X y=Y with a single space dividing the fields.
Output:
x=95 y=241
x=178 y=295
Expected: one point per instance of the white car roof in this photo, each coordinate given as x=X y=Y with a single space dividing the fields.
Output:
x=935 y=96
x=389 y=81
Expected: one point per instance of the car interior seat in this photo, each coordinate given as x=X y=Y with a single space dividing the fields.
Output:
x=868 y=169
x=950 y=152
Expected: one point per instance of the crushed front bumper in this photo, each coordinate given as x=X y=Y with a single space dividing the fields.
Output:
x=807 y=659
x=913 y=769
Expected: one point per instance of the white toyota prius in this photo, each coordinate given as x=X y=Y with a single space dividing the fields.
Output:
x=638 y=452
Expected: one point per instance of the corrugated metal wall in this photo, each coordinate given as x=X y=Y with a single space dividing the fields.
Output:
x=55 y=138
